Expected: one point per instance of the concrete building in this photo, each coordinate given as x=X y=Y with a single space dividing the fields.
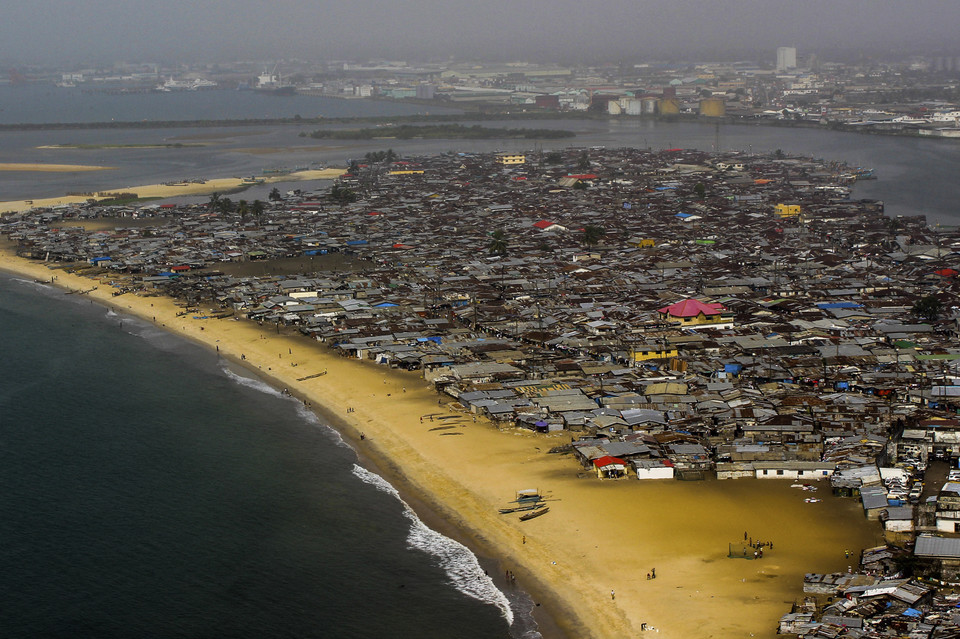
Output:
x=786 y=59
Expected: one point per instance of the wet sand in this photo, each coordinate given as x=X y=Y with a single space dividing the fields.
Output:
x=163 y=191
x=598 y=536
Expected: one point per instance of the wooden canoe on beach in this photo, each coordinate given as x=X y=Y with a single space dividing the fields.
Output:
x=535 y=513
x=517 y=509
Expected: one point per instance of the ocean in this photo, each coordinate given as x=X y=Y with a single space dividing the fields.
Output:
x=149 y=490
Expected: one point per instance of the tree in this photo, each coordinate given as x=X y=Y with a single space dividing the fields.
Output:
x=214 y=203
x=498 y=243
x=243 y=209
x=700 y=190
x=225 y=205
x=592 y=234
x=342 y=194
x=554 y=157
x=274 y=195
x=928 y=308
x=584 y=161
x=257 y=209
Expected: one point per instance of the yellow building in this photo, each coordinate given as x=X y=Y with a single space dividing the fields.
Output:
x=787 y=210
x=405 y=173
x=643 y=352
x=511 y=158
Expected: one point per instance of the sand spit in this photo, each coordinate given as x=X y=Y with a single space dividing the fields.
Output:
x=162 y=191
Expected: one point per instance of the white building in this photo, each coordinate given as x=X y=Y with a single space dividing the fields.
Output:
x=786 y=58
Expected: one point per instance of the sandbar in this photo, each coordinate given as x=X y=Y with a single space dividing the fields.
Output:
x=162 y=191
x=587 y=560
x=52 y=168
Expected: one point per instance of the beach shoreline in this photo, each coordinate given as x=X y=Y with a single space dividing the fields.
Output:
x=164 y=191
x=548 y=610
x=585 y=561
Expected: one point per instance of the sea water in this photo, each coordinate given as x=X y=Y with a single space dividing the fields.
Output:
x=149 y=490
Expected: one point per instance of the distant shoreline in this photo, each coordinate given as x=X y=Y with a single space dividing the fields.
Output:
x=468 y=116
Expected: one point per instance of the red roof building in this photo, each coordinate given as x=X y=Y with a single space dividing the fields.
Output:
x=693 y=312
x=610 y=467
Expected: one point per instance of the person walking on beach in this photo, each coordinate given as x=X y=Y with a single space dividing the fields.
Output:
x=653 y=573
x=613 y=595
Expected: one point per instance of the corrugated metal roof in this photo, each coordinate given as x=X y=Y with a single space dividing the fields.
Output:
x=930 y=546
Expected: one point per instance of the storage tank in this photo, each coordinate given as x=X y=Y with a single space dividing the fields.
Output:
x=713 y=107
x=670 y=106
x=633 y=107
x=649 y=105
x=613 y=108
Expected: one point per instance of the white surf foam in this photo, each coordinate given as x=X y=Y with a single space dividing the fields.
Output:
x=461 y=565
x=253 y=383
x=33 y=283
x=302 y=411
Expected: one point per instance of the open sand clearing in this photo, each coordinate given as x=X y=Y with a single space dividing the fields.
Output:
x=586 y=560
x=51 y=168
x=163 y=191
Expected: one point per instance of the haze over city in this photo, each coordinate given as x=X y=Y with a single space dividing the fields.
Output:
x=49 y=31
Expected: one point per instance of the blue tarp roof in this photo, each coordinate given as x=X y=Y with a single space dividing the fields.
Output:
x=839 y=305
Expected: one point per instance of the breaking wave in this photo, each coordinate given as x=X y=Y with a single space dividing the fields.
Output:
x=457 y=561
x=251 y=382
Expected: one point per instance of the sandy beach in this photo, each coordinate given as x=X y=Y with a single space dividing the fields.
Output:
x=587 y=561
x=219 y=185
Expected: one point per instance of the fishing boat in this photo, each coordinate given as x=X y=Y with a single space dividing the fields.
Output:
x=528 y=495
x=519 y=509
x=535 y=513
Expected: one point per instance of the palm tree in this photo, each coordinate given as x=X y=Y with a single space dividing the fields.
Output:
x=214 y=201
x=243 y=209
x=592 y=234
x=256 y=209
x=498 y=243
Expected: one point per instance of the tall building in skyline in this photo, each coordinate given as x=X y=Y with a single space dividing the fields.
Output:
x=786 y=58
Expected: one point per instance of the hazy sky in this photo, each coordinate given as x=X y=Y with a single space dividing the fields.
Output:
x=224 y=30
